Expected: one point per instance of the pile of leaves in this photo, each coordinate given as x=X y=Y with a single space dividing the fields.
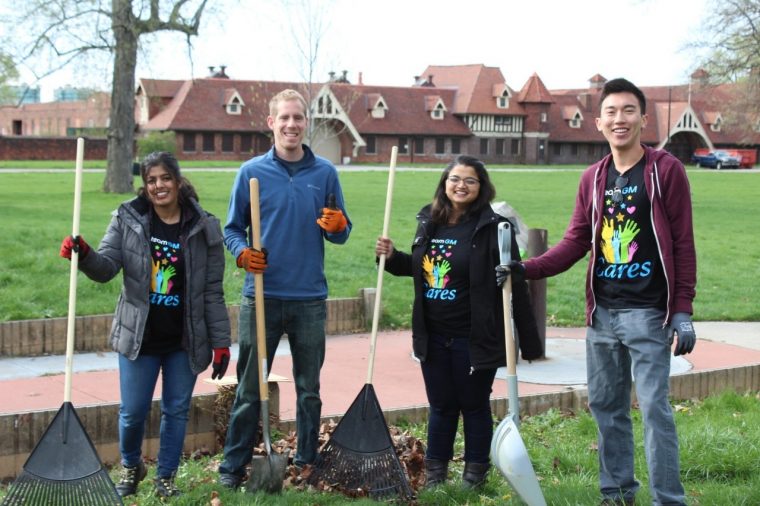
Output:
x=409 y=449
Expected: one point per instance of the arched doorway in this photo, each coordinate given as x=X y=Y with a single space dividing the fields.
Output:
x=683 y=144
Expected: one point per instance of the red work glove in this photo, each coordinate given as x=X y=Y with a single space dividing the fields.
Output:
x=253 y=260
x=332 y=220
x=75 y=244
x=221 y=361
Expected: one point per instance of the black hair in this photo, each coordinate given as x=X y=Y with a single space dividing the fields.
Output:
x=621 y=85
x=170 y=163
x=442 y=207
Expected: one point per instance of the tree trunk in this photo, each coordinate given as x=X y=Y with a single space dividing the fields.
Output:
x=121 y=130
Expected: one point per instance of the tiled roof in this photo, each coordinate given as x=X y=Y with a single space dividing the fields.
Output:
x=406 y=114
x=534 y=91
x=474 y=85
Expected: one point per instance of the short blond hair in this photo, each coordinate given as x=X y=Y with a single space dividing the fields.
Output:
x=284 y=96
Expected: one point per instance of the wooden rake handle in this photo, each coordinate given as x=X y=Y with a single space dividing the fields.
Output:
x=381 y=265
x=258 y=279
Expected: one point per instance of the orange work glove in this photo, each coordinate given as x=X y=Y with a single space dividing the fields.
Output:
x=332 y=220
x=253 y=260
x=72 y=243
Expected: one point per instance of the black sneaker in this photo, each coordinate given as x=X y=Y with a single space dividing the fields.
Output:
x=165 y=487
x=228 y=480
x=130 y=478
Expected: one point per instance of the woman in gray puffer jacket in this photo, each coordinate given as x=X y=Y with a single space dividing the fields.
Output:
x=171 y=315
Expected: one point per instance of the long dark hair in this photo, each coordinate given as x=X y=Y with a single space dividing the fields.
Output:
x=170 y=163
x=442 y=207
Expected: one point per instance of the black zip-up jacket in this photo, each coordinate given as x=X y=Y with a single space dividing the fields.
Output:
x=486 y=317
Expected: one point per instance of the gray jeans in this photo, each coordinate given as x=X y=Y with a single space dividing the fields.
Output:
x=617 y=340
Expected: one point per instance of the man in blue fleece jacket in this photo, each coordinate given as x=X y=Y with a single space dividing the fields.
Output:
x=297 y=214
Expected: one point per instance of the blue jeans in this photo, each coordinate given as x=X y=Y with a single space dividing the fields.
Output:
x=451 y=390
x=304 y=323
x=617 y=339
x=137 y=381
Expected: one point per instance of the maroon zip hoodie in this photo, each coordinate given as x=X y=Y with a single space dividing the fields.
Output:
x=668 y=190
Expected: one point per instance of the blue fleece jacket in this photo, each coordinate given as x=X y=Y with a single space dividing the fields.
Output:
x=290 y=206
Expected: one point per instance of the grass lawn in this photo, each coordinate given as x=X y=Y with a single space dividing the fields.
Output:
x=719 y=448
x=35 y=209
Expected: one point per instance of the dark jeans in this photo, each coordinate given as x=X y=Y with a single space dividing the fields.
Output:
x=304 y=323
x=452 y=389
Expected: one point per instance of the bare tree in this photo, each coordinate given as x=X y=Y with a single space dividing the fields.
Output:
x=8 y=73
x=731 y=45
x=63 y=32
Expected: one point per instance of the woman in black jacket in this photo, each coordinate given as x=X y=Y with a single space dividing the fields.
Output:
x=457 y=320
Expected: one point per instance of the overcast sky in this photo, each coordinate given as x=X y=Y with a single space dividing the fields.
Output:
x=390 y=41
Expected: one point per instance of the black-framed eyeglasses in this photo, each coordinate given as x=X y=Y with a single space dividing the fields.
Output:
x=469 y=181
x=617 y=193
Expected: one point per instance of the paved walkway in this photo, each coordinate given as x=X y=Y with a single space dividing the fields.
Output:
x=36 y=383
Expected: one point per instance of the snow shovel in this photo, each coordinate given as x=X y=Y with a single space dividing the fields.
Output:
x=508 y=451
x=267 y=471
x=360 y=454
x=64 y=467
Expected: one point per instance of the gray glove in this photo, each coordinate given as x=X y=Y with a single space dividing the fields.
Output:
x=515 y=268
x=681 y=325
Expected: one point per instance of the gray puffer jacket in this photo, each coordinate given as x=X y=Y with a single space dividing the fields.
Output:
x=126 y=246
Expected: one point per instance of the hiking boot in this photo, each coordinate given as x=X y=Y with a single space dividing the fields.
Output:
x=436 y=472
x=130 y=478
x=228 y=480
x=474 y=475
x=165 y=487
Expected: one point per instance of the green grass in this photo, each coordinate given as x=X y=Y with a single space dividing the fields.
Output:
x=35 y=209
x=719 y=449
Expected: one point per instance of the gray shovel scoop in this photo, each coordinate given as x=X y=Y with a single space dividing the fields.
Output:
x=508 y=451
x=267 y=471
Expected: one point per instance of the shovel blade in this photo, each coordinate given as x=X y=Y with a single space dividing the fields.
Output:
x=509 y=455
x=267 y=473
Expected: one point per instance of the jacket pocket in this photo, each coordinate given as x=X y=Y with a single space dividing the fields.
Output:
x=127 y=324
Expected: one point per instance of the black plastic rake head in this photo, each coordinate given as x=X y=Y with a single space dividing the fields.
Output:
x=63 y=469
x=360 y=456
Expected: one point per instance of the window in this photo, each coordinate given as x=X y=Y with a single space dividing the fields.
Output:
x=188 y=142
x=544 y=117
x=440 y=146
x=233 y=108
x=208 y=142
x=574 y=149
x=715 y=127
x=403 y=146
x=419 y=146
x=483 y=146
x=515 y=146
x=436 y=114
x=370 y=148
x=502 y=102
x=455 y=148
x=502 y=121
x=227 y=143
x=245 y=143
x=556 y=148
x=499 y=146
x=575 y=123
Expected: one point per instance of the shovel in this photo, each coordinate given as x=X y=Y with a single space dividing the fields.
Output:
x=267 y=471
x=508 y=451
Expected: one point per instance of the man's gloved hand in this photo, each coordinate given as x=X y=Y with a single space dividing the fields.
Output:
x=221 y=361
x=332 y=221
x=502 y=273
x=683 y=328
x=71 y=244
x=514 y=268
x=253 y=260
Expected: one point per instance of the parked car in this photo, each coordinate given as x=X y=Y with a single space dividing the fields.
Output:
x=716 y=159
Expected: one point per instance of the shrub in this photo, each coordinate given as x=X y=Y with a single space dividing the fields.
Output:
x=156 y=141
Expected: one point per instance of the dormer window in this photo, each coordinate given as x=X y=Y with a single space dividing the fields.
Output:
x=717 y=124
x=573 y=116
x=233 y=104
x=434 y=104
x=502 y=95
x=377 y=106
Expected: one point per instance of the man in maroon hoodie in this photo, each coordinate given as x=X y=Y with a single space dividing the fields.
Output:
x=633 y=212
